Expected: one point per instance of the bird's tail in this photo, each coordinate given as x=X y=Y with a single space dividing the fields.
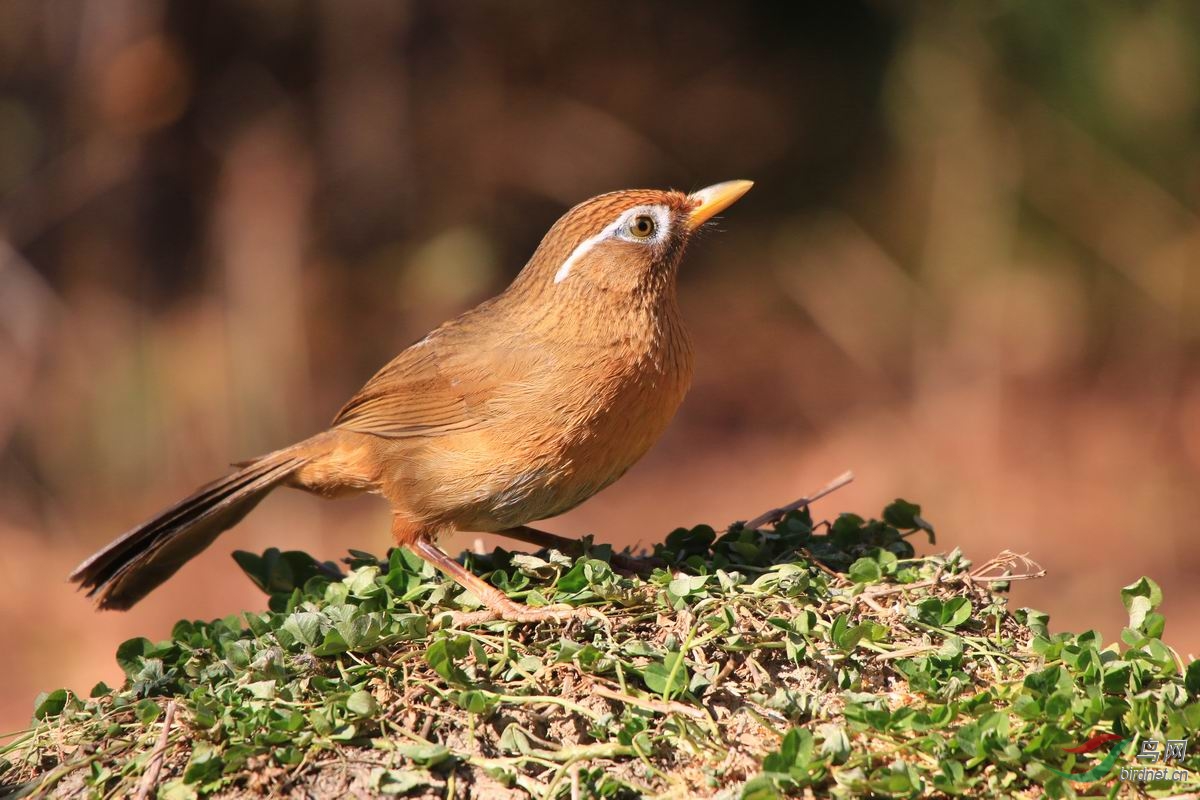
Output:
x=129 y=568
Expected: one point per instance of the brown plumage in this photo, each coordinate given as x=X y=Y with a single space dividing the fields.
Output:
x=516 y=411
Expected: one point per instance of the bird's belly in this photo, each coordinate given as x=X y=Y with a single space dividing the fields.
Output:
x=534 y=495
x=543 y=463
x=596 y=446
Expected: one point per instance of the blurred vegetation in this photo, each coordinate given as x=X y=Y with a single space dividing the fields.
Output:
x=971 y=249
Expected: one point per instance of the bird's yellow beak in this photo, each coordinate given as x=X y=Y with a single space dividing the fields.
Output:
x=711 y=201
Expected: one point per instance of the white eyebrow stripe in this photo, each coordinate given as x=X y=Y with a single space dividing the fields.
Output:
x=583 y=247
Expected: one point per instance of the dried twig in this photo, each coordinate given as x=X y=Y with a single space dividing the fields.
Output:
x=878 y=609
x=985 y=573
x=1001 y=568
x=776 y=514
x=150 y=776
x=667 y=707
x=804 y=551
x=907 y=652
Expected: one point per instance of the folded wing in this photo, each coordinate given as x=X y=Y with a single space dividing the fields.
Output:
x=444 y=385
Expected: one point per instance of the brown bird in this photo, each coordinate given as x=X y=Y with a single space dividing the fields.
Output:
x=518 y=410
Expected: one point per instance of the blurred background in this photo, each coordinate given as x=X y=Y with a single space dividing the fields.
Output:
x=969 y=269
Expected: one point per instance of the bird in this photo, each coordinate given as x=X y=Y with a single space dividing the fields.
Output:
x=516 y=411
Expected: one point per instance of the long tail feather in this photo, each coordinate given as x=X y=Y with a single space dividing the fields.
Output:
x=129 y=568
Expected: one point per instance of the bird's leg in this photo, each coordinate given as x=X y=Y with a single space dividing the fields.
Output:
x=574 y=547
x=497 y=603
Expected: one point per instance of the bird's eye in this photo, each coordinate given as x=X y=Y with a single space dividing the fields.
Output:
x=642 y=226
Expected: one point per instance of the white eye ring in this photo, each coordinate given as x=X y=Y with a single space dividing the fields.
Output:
x=655 y=221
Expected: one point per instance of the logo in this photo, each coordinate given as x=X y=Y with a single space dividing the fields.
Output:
x=1095 y=743
x=1175 y=750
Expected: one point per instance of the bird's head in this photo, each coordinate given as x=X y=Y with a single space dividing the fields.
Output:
x=622 y=242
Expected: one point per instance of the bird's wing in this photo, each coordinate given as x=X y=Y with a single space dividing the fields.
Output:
x=441 y=386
